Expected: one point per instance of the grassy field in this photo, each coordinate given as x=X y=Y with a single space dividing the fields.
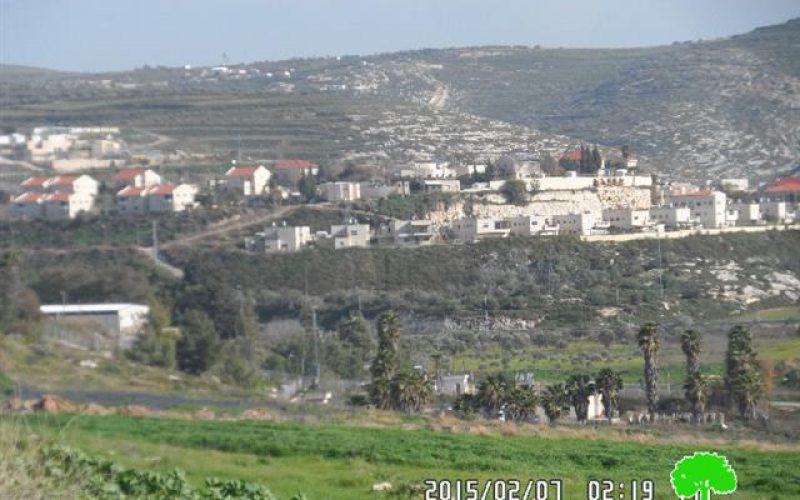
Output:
x=342 y=462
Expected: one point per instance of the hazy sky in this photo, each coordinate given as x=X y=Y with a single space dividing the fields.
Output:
x=96 y=35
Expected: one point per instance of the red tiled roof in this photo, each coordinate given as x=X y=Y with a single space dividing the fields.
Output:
x=131 y=192
x=242 y=171
x=128 y=174
x=34 y=182
x=29 y=198
x=58 y=197
x=294 y=164
x=161 y=190
x=63 y=180
x=789 y=184
x=573 y=155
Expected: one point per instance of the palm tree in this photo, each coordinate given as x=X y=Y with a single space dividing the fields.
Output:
x=580 y=387
x=410 y=391
x=555 y=401
x=609 y=383
x=520 y=403
x=694 y=387
x=385 y=365
x=492 y=393
x=696 y=390
x=649 y=342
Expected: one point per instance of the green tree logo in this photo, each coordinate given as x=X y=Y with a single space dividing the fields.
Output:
x=701 y=474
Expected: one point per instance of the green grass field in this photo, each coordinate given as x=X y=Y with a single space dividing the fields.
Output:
x=342 y=462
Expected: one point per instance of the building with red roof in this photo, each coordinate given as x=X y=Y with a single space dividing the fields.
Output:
x=787 y=190
x=55 y=198
x=291 y=171
x=249 y=180
x=35 y=183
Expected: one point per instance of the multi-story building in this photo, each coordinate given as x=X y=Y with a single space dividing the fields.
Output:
x=340 y=191
x=55 y=198
x=477 y=228
x=350 y=235
x=671 y=217
x=132 y=200
x=777 y=211
x=747 y=213
x=627 y=218
x=533 y=225
x=708 y=207
x=171 y=197
x=575 y=223
x=442 y=185
x=280 y=239
x=250 y=180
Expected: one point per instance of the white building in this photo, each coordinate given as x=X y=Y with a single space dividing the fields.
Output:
x=740 y=184
x=73 y=184
x=477 y=228
x=708 y=207
x=131 y=200
x=473 y=169
x=65 y=205
x=454 y=385
x=136 y=177
x=248 y=180
x=55 y=198
x=575 y=223
x=776 y=211
x=281 y=239
x=291 y=171
x=171 y=197
x=340 y=191
x=122 y=322
x=350 y=235
x=533 y=225
x=671 y=216
x=627 y=218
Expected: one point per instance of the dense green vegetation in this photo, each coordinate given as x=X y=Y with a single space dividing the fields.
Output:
x=406 y=456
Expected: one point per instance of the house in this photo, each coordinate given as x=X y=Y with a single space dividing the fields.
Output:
x=35 y=184
x=454 y=385
x=533 y=225
x=708 y=207
x=350 y=235
x=73 y=184
x=473 y=169
x=136 y=177
x=122 y=322
x=250 y=180
x=442 y=185
x=132 y=200
x=575 y=223
x=171 y=197
x=291 y=171
x=627 y=218
x=433 y=170
x=477 y=228
x=671 y=217
x=787 y=189
x=280 y=239
x=412 y=232
x=29 y=205
x=340 y=191
x=65 y=205
x=738 y=184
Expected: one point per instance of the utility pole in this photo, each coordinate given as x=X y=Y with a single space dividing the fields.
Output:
x=660 y=268
x=155 y=240
x=316 y=346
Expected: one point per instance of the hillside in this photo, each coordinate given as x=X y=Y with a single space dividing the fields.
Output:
x=699 y=109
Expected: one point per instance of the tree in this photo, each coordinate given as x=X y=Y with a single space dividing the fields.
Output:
x=515 y=191
x=701 y=474
x=520 y=404
x=555 y=401
x=410 y=391
x=385 y=366
x=609 y=383
x=198 y=346
x=649 y=341
x=626 y=152
x=742 y=372
x=550 y=166
x=597 y=159
x=694 y=387
x=157 y=344
x=492 y=393
x=307 y=185
x=580 y=387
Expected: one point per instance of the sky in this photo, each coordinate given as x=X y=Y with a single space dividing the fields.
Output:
x=109 y=35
